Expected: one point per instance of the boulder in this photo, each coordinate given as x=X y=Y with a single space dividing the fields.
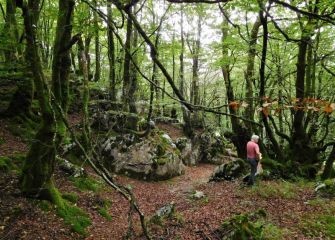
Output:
x=117 y=120
x=153 y=158
x=229 y=171
x=189 y=152
x=326 y=188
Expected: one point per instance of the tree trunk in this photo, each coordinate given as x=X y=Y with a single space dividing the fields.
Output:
x=327 y=172
x=20 y=104
x=133 y=73
x=36 y=179
x=111 y=55
x=269 y=132
x=127 y=67
x=301 y=150
x=249 y=74
x=240 y=136
x=97 y=45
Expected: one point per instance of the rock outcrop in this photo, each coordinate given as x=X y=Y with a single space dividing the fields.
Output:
x=153 y=158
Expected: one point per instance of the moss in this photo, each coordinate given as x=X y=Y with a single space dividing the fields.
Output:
x=162 y=160
x=70 y=196
x=23 y=127
x=86 y=184
x=104 y=213
x=6 y=164
x=75 y=217
x=44 y=205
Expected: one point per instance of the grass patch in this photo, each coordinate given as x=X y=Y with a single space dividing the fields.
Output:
x=243 y=226
x=6 y=164
x=273 y=232
x=75 y=217
x=104 y=213
x=281 y=189
x=85 y=184
x=319 y=225
x=70 y=196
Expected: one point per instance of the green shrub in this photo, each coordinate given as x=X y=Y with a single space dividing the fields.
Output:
x=104 y=213
x=2 y=141
x=70 y=196
x=243 y=227
x=75 y=217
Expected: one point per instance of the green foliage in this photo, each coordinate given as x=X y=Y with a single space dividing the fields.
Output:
x=2 y=141
x=281 y=189
x=70 y=196
x=75 y=217
x=86 y=184
x=273 y=232
x=6 y=164
x=104 y=212
x=243 y=226
x=319 y=225
x=23 y=127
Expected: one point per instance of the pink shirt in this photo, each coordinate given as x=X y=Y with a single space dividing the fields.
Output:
x=252 y=149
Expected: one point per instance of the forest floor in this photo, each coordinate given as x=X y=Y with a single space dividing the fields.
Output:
x=293 y=210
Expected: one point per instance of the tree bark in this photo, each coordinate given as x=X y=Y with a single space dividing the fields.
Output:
x=36 y=179
x=269 y=132
x=97 y=45
x=240 y=136
x=249 y=74
x=111 y=55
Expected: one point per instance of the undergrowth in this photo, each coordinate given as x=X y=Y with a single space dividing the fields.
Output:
x=70 y=196
x=281 y=189
x=321 y=223
x=104 y=213
x=75 y=217
x=86 y=184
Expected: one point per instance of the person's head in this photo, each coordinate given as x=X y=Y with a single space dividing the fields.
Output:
x=255 y=138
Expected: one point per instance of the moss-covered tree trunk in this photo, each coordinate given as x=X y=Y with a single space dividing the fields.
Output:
x=20 y=104
x=36 y=179
x=126 y=67
x=97 y=45
x=111 y=55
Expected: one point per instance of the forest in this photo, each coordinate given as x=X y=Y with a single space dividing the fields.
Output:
x=130 y=119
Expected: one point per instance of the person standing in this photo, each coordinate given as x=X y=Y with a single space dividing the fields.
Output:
x=253 y=156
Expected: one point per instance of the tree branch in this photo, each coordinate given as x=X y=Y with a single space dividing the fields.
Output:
x=198 y=1
x=279 y=133
x=181 y=100
x=325 y=18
